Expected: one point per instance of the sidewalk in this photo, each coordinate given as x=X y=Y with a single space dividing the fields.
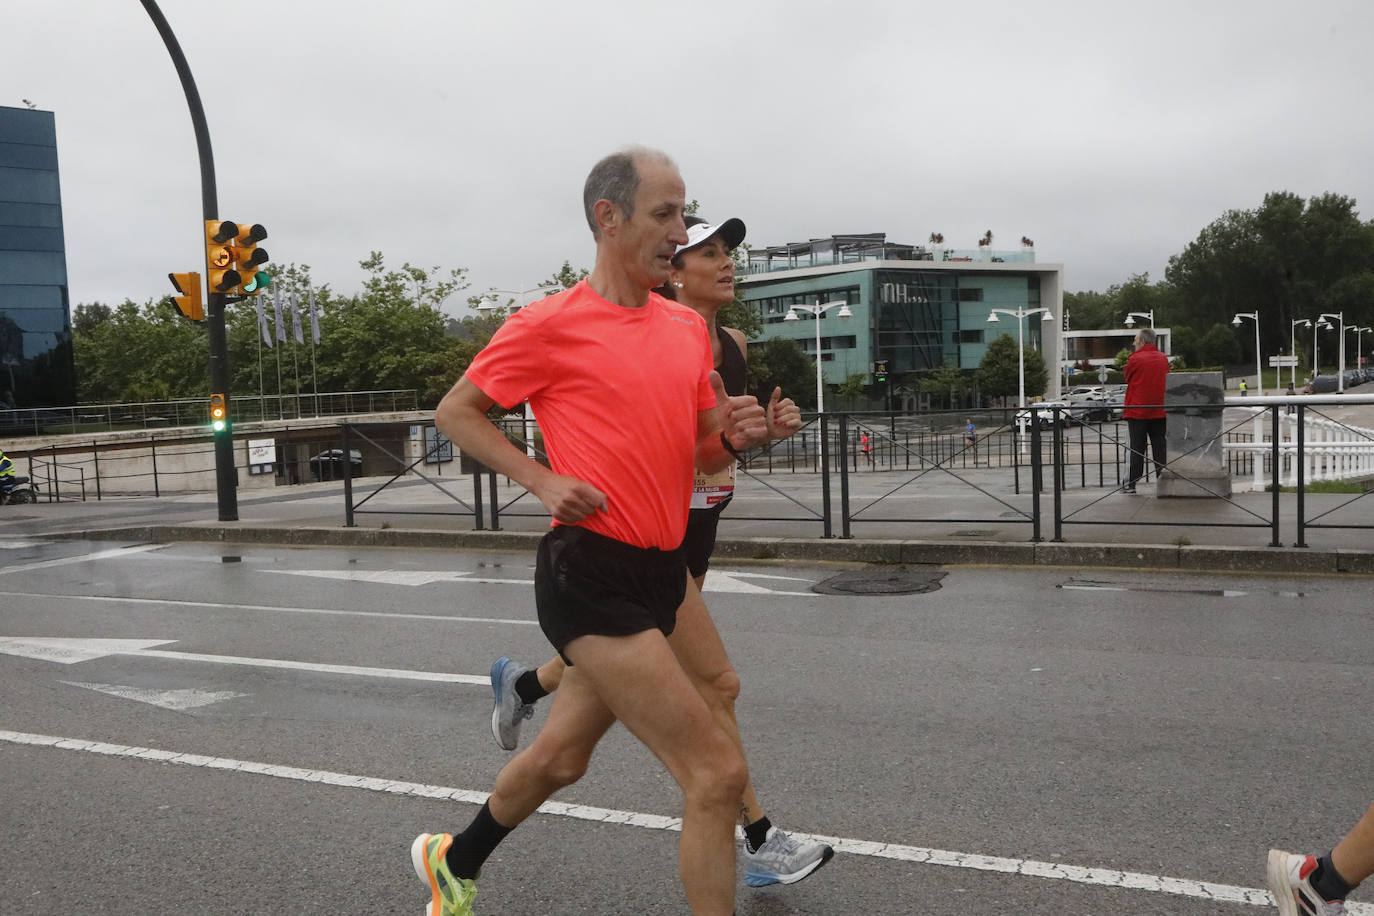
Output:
x=935 y=519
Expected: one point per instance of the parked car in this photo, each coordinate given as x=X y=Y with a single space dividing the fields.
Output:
x=329 y=464
x=1047 y=413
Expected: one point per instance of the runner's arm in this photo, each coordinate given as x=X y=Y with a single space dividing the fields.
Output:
x=462 y=417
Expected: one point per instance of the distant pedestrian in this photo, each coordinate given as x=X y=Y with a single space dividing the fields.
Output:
x=1244 y=388
x=1144 y=405
x=867 y=448
x=1318 y=885
x=971 y=437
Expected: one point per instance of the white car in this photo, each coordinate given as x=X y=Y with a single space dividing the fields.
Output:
x=1047 y=413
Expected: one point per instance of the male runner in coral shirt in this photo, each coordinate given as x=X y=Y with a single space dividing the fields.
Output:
x=623 y=384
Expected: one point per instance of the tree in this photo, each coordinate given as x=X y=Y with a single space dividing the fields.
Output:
x=948 y=382
x=781 y=362
x=999 y=373
x=1288 y=259
x=854 y=386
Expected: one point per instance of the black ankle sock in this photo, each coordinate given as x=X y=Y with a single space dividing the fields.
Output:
x=756 y=834
x=471 y=847
x=527 y=687
x=1328 y=882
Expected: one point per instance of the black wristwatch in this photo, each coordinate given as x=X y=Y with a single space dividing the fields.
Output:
x=725 y=444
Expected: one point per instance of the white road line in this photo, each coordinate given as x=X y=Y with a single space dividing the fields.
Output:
x=73 y=651
x=272 y=608
x=84 y=558
x=1028 y=868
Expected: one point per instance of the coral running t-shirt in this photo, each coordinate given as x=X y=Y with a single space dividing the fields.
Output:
x=616 y=392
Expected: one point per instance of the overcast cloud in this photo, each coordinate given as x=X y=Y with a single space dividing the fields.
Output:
x=459 y=133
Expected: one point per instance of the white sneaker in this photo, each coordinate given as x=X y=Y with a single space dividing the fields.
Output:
x=1289 y=880
x=782 y=859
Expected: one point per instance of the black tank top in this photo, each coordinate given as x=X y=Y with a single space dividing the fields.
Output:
x=731 y=366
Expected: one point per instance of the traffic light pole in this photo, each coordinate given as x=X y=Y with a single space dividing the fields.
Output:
x=226 y=478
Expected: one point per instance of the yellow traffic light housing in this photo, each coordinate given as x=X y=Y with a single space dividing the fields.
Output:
x=189 y=302
x=219 y=256
x=219 y=413
x=248 y=256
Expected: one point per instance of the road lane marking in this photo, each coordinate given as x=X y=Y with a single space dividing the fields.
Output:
x=1028 y=868
x=175 y=700
x=83 y=558
x=278 y=609
x=67 y=651
x=717 y=581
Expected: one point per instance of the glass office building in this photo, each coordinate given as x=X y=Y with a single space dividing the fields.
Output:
x=916 y=308
x=36 y=362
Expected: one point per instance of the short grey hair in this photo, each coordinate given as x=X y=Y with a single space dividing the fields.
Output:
x=1146 y=335
x=616 y=178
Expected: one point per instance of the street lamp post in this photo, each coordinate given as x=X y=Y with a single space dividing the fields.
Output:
x=1324 y=325
x=1132 y=316
x=1340 y=363
x=526 y=415
x=1020 y=315
x=1359 y=355
x=1293 y=348
x=1259 y=371
x=816 y=311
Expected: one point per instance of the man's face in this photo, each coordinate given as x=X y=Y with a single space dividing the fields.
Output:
x=646 y=241
x=1138 y=342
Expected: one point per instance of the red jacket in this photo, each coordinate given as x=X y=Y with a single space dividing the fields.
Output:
x=1145 y=372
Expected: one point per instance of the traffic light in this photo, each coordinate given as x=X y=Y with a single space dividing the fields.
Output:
x=189 y=302
x=880 y=370
x=248 y=256
x=219 y=255
x=219 y=413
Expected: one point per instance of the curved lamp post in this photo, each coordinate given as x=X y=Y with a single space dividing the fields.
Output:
x=1020 y=315
x=1259 y=372
x=816 y=311
x=1340 y=363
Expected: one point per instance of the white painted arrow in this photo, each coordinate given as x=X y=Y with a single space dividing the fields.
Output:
x=177 y=700
x=71 y=651
x=729 y=583
x=410 y=577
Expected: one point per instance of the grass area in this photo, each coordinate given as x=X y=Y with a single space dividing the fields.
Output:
x=1328 y=486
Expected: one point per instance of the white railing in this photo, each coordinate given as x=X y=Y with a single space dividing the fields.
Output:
x=1330 y=450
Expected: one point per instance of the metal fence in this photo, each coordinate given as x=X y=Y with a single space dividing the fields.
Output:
x=90 y=418
x=1007 y=467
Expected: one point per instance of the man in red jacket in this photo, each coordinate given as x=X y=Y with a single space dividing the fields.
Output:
x=1145 y=372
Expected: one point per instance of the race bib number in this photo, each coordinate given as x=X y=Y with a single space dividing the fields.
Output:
x=709 y=489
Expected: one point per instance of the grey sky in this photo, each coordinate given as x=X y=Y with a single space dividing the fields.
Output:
x=459 y=133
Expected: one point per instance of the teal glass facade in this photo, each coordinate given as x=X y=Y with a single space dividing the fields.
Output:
x=918 y=315
x=36 y=360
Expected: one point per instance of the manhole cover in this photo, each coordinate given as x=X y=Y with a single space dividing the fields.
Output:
x=882 y=582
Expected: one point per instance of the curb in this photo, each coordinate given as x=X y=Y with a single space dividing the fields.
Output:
x=835 y=550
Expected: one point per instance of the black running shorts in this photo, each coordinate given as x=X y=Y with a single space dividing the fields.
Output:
x=586 y=584
x=701 y=536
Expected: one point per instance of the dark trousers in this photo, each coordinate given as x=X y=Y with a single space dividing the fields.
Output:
x=1140 y=430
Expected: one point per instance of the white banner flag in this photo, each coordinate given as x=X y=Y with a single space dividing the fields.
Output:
x=314 y=319
x=296 y=320
x=281 y=319
x=263 y=329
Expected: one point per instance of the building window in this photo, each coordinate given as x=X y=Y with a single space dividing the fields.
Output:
x=971 y=337
x=968 y=295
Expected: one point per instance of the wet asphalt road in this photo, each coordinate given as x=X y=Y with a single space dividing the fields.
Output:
x=1173 y=726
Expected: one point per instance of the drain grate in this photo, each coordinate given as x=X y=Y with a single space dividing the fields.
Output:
x=905 y=581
